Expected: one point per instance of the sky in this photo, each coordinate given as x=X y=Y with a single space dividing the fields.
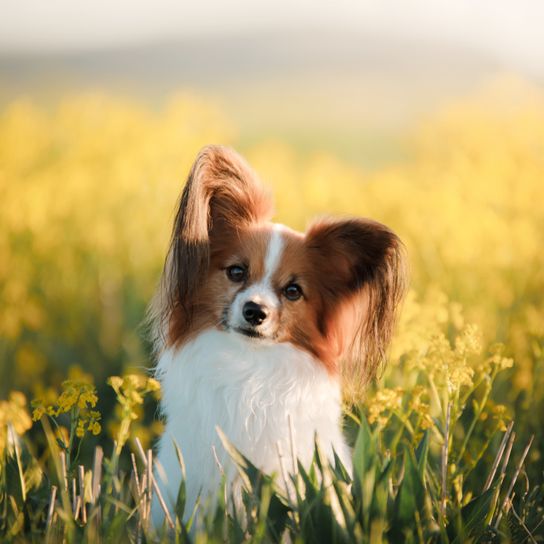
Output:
x=509 y=30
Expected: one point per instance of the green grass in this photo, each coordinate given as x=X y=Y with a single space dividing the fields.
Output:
x=403 y=489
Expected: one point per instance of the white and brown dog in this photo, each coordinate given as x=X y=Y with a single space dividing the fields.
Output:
x=254 y=321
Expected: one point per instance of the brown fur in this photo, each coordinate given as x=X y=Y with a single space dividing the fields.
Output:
x=362 y=281
x=221 y=196
x=301 y=320
x=351 y=271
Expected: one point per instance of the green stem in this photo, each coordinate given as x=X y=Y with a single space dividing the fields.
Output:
x=474 y=421
x=396 y=439
x=74 y=416
x=404 y=419
x=474 y=463
x=19 y=463
x=77 y=452
x=436 y=396
x=472 y=389
x=58 y=428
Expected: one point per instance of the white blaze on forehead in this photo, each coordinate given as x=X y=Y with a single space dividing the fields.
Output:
x=273 y=253
x=263 y=291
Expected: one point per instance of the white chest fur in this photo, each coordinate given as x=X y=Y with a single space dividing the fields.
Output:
x=247 y=389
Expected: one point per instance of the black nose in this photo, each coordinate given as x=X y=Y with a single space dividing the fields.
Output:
x=254 y=314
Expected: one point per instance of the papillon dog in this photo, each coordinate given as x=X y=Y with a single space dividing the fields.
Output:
x=258 y=328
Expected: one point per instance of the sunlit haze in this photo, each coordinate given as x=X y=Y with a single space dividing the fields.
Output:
x=511 y=31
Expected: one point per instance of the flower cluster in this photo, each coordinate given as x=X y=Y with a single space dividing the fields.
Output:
x=448 y=366
x=496 y=361
x=13 y=415
x=131 y=391
x=80 y=395
x=90 y=421
x=477 y=190
x=77 y=400
x=445 y=377
x=384 y=402
x=419 y=405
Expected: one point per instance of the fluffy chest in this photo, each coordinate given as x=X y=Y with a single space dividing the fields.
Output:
x=248 y=389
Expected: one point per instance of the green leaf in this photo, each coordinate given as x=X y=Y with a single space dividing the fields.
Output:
x=365 y=467
x=474 y=517
x=378 y=507
x=410 y=508
x=422 y=453
x=318 y=522
x=412 y=492
x=277 y=518
x=340 y=470
x=182 y=492
x=250 y=475
x=364 y=451
x=258 y=486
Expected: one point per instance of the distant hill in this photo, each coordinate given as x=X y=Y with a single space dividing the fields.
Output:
x=310 y=86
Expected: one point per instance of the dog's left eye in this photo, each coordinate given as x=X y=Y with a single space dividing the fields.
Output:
x=292 y=291
x=236 y=273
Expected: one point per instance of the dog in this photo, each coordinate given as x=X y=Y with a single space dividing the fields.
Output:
x=256 y=324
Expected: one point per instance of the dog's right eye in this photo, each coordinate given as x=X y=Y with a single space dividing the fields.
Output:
x=236 y=273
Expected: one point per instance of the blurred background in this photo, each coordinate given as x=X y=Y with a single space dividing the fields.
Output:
x=428 y=116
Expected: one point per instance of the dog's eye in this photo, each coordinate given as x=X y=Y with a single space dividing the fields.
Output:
x=292 y=291
x=236 y=273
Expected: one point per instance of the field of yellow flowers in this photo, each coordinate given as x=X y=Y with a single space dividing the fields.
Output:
x=448 y=445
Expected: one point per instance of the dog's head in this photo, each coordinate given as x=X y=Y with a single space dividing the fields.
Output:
x=332 y=291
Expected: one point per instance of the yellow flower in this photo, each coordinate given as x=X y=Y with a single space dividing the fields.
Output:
x=95 y=428
x=469 y=342
x=37 y=413
x=384 y=401
x=89 y=421
x=13 y=414
x=80 y=430
x=421 y=408
x=75 y=394
x=497 y=359
x=77 y=398
x=499 y=412
x=475 y=175
x=450 y=367
x=130 y=390
x=116 y=382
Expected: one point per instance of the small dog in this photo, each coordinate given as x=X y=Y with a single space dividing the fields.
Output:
x=255 y=323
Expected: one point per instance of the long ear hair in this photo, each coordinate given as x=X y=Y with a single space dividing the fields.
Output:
x=364 y=276
x=222 y=192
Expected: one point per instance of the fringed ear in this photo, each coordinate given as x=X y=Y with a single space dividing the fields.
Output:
x=362 y=270
x=221 y=193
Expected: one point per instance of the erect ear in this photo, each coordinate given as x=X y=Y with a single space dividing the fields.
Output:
x=221 y=193
x=361 y=268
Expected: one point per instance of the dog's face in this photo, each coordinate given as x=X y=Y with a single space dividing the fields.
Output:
x=264 y=283
x=260 y=290
x=326 y=291
x=260 y=284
